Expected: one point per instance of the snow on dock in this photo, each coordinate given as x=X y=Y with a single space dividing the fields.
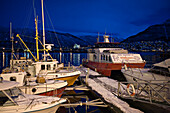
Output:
x=105 y=86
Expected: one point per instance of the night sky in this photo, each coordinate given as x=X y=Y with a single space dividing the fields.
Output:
x=122 y=18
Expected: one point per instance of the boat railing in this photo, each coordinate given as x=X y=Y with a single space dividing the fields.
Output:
x=153 y=92
x=69 y=68
x=139 y=69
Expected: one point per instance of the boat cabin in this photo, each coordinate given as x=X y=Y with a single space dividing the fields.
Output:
x=162 y=68
x=47 y=66
x=19 y=77
x=110 y=52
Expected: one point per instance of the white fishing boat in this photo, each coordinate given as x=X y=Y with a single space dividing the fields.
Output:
x=49 y=67
x=13 y=100
x=36 y=85
x=107 y=57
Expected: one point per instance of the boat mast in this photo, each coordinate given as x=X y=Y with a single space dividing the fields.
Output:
x=43 y=28
x=36 y=28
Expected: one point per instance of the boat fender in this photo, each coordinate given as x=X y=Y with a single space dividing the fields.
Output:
x=40 y=79
x=133 y=89
x=21 y=70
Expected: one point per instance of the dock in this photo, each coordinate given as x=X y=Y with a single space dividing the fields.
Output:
x=105 y=87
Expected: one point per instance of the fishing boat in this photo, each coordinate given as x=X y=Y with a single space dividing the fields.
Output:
x=14 y=100
x=107 y=57
x=47 y=66
x=49 y=69
x=36 y=85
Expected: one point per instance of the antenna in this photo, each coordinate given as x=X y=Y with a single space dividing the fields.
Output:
x=98 y=37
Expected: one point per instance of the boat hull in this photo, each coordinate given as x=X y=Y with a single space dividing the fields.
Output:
x=143 y=75
x=69 y=76
x=70 y=79
x=56 y=93
x=36 y=108
x=107 y=68
x=55 y=89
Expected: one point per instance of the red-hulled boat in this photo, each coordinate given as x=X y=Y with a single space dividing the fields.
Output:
x=36 y=85
x=107 y=56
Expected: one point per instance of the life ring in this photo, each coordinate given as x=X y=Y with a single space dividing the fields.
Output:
x=133 y=89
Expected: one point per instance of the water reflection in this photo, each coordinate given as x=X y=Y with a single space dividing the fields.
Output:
x=71 y=57
x=3 y=55
x=76 y=59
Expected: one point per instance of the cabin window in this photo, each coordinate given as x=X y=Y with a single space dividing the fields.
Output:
x=48 y=67
x=12 y=78
x=106 y=58
x=160 y=70
x=13 y=93
x=94 y=56
x=5 y=101
x=103 y=57
x=54 y=67
x=42 y=67
x=110 y=59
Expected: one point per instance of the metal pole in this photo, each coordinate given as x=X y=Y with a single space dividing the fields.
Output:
x=43 y=28
x=36 y=28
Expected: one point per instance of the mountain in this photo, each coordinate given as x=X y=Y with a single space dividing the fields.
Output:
x=159 y=32
x=59 y=39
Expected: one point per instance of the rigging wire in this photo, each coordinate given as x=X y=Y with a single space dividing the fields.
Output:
x=52 y=27
x=28 y=18
x=34 y=10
